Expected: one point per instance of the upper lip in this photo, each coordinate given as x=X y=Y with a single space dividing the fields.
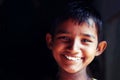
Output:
x=73 y=56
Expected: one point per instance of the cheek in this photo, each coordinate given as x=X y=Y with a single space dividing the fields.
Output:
x=57 y=48
x=59 y=45
x=90 y=52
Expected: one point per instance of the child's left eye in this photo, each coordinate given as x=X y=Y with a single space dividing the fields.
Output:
x=86 y=40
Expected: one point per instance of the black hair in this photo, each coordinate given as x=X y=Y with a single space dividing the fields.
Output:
x=78 y=11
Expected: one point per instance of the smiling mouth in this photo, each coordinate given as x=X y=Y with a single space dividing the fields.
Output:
x=72 y=58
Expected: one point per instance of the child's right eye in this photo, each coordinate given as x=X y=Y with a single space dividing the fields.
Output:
x=64 y=38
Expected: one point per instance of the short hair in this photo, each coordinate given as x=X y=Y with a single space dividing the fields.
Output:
x=79 y=12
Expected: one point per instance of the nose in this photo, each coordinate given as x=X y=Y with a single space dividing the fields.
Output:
x=75 y=46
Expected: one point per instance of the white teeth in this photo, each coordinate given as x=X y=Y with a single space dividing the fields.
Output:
x=72 y=58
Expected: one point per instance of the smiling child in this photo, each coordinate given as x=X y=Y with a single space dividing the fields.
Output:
x=75 y=40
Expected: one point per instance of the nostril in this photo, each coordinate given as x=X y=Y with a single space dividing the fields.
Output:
x=82 y=57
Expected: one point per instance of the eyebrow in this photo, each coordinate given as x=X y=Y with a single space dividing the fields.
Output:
x=66 y=32
x=88 y=35
x=62 y=32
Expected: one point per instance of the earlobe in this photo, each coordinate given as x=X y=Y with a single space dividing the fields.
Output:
x=101 y=47
x=49 y=40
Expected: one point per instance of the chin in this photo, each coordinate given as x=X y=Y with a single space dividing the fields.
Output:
x=72 y=71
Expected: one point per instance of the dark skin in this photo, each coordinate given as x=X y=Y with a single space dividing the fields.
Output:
x=74 y=47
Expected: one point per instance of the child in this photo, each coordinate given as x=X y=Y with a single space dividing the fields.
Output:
x=75 y=40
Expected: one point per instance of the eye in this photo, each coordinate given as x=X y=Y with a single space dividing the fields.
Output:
x=64 y=38
x=86 y=40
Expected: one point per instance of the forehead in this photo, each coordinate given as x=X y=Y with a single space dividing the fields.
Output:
x=73 y=25
x=73 y=28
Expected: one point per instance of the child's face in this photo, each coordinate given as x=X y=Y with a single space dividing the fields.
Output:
x=74 y=46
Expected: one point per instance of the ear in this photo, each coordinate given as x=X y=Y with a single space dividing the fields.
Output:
x=101 y=47
x=49 y=40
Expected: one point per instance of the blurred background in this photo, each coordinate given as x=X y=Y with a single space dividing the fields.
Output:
x=23 y=51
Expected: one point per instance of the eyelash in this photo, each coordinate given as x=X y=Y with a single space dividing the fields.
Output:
x=86 y=40
x=64 y=38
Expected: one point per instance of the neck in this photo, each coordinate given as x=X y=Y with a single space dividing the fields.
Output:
x=81 y=75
